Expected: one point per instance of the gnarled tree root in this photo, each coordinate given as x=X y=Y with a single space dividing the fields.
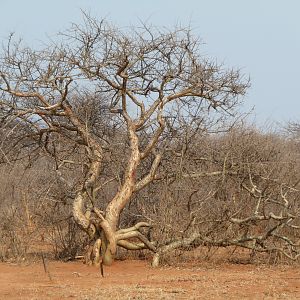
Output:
x=182 y=243
x=104 y=248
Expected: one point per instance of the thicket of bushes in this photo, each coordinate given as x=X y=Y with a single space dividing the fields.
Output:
x=239 y=188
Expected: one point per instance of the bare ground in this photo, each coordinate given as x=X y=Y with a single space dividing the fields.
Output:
x=137 y=280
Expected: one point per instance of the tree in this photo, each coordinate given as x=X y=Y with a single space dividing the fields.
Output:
x=99 y=84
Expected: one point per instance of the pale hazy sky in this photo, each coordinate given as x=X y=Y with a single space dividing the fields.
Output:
x=262 y=37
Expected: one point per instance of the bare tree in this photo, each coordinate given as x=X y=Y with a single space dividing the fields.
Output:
x=145 y=82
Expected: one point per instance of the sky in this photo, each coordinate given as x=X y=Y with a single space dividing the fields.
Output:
x=260 y=37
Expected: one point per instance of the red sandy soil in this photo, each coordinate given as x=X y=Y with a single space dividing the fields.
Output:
x=137 y=280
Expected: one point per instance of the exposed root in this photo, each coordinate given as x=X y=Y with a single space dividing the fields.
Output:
x=123 y=235
x=131 y=246
x=185 y=242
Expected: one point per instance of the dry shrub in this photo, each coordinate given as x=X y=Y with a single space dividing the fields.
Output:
x=213 y=189
x=237 y=189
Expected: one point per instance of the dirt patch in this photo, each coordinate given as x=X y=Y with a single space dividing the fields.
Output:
x=137 y=280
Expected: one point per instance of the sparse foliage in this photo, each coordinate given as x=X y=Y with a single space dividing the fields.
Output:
x=129 y=129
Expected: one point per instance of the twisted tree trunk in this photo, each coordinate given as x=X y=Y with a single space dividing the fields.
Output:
x=102 y=228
